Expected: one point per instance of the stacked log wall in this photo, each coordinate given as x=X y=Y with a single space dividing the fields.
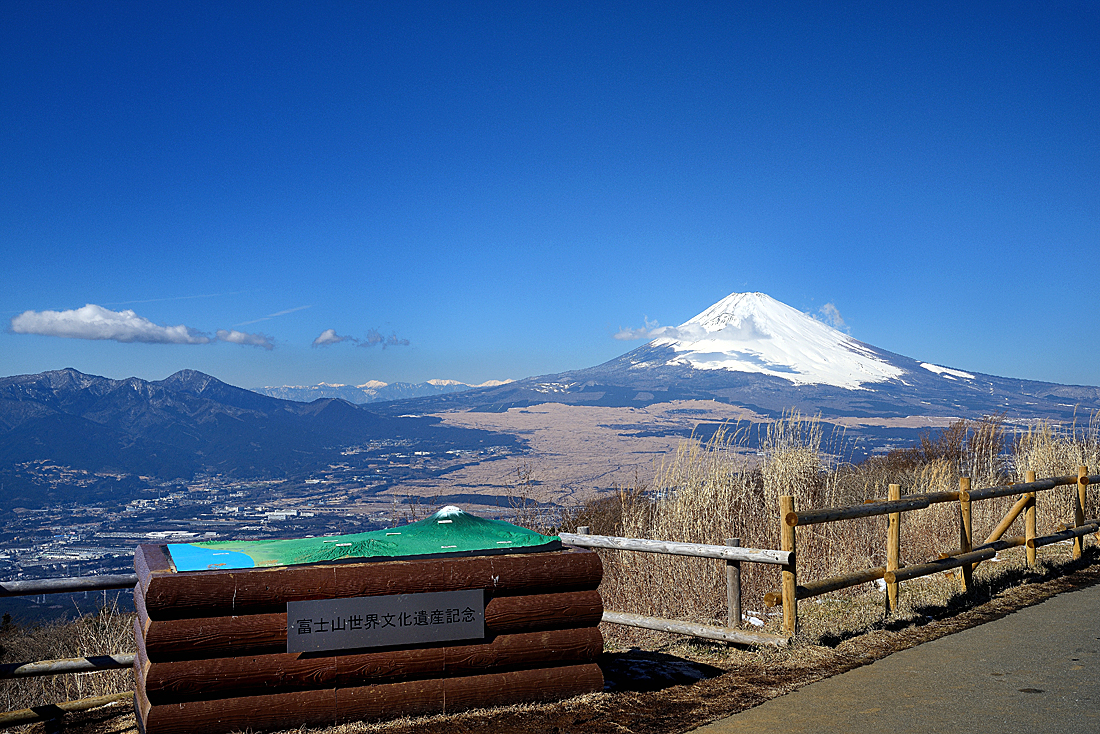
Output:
x=212 y=645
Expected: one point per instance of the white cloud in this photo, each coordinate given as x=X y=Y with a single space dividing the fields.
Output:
x=651 y=330
x=96 y=322
x=329 y=336
x=239 y=337
x=374 y=338
x=830 y=315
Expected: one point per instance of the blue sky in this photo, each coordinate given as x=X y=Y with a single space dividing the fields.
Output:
x=483 y=191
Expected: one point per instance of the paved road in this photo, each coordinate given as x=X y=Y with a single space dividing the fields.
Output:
x=1036 y=670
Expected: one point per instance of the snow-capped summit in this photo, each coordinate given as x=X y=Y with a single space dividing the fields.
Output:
x=753 y=332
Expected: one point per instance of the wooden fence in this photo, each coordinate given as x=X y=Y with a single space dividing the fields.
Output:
x=731 y=553
x=92 y=663
x=966 y=557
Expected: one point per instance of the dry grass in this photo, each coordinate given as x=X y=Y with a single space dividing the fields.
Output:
x=1051 y=451
x=106 y=632
x=707 y=493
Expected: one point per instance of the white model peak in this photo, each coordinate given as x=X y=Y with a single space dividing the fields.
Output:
x=752 y=332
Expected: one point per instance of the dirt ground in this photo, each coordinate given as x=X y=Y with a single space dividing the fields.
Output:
x=687 y=684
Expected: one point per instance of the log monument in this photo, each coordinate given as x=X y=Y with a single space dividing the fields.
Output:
x=449 y=613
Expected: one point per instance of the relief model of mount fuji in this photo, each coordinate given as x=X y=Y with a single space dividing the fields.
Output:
x=752 y=351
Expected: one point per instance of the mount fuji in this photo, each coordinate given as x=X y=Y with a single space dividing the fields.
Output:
x=753 y=351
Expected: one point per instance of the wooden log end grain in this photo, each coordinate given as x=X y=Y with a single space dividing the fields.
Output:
x=150 y=560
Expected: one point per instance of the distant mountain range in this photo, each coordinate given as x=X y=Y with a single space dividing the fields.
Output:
x=748 y=350
x=189 y=423
x=751 y=350
x=370 y=392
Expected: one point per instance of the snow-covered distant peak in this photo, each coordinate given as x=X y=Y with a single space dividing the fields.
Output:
x=444 y=383
x=372 y=385
x=753 y=332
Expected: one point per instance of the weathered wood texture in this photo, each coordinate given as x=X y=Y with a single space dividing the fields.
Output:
x=733 y=587
x=172 y=595
x=54 y=711
x=212 y=644
x=1070 y=534
x=707 y=632
x=67 y=665
x=1010 y=517
x=1030 y=523
x=834 y=583
x=943 y=564
x=206 y=637
x=1079 y=501
x=327 y=707
x=789 y=574
x=998 y=545
x=893 y=550
x=919 y=502
x=694 y=550
x=67 y=585
x=815 y=517
x=966 y=533
x=1005 y=490
x=279 y=672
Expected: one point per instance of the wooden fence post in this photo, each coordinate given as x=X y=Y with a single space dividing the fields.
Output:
x=1029 y=522
x=893 y=551
x=1079 y=508
x=733 y=588
x=966 y=532
x=790 y=582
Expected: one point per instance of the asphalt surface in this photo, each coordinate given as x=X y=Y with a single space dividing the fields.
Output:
x=1035 y=670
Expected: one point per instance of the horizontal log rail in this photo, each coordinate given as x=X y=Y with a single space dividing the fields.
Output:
x=1068 y=534
x=967 y=557
x=707 y=632
x=824 y=586
x=57 y=710
x=87 y=664
x=1042 y=485
x=871 y=509
x=693 y=550
x=31 y=587
x=940 y=564
x=921 y=501
x=732 y=553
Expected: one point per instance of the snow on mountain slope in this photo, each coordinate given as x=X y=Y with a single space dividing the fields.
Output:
x=752 y=332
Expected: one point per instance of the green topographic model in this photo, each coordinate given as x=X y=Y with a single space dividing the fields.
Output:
x=449 y=531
